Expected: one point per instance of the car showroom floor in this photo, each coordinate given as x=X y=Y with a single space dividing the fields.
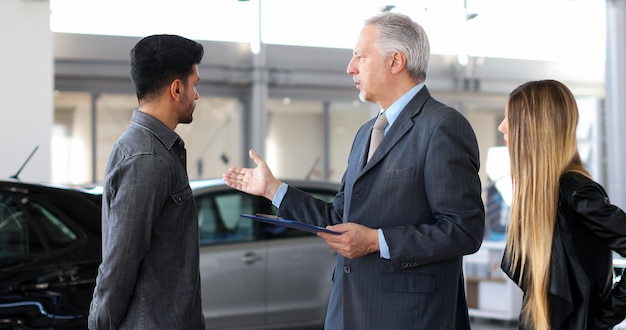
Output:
x=478 y=324
x=487 y=324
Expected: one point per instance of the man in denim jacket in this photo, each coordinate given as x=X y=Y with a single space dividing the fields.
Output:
x=149 y=277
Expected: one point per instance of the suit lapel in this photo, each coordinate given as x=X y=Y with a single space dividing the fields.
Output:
x=401 y=126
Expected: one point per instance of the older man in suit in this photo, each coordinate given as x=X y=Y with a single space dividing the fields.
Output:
x=410 y=212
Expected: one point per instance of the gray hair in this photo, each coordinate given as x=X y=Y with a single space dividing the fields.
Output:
x=399 y=33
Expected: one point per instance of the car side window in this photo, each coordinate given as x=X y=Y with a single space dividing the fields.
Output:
x=220 y=221
x=57 y=234
x=25 y=224
x=269 y=231
x=219 y=218
x=327 y=196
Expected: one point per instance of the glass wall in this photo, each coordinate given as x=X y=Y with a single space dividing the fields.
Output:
x=306 y=139
x=86 y=127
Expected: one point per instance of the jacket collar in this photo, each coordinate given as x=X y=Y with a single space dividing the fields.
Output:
x=403 y=124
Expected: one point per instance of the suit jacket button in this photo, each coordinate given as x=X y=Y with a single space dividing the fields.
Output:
x=346 y=270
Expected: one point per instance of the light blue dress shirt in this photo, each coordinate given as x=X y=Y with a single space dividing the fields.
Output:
x=392 y=114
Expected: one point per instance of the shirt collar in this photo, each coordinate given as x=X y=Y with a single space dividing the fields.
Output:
x=394 y=110
x=167 y=136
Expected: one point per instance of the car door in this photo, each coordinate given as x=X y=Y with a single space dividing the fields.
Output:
x=299 y=280
x=300 y=267
x=232 y=263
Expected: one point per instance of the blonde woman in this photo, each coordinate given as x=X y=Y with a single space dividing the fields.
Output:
x=562 y=228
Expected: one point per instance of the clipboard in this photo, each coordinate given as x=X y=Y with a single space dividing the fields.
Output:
x=274 y=220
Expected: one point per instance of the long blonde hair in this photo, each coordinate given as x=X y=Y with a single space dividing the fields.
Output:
x=542 y=119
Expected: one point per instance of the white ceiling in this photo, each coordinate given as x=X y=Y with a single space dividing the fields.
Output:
x=529 y=29
x=504 y=40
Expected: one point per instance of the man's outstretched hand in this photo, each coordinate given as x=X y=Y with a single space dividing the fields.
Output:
x=255 y=181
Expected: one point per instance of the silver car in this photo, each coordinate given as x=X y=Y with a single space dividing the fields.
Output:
x=257 y=275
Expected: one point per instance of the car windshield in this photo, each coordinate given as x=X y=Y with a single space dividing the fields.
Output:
x=27 y=227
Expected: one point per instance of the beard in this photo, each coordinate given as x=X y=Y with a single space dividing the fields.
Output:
x=186 y=119
x=185 y=112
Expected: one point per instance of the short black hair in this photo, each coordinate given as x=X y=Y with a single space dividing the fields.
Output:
x=157 y=60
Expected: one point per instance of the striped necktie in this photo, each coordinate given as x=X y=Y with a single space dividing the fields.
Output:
x=377 y=133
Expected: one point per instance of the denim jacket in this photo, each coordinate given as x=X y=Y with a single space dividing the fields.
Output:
x=149 y=277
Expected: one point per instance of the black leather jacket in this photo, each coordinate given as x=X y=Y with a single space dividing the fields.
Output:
x=588 y=229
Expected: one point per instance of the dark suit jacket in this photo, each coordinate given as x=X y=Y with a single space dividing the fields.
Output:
x=581 y=294
x=422 y=188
